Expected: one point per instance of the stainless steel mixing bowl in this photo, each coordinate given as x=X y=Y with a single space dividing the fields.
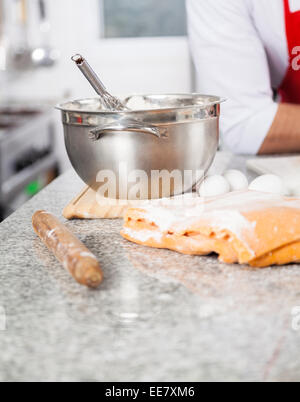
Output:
x=162 y=133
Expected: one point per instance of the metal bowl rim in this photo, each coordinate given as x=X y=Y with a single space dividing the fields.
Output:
x=217 y=100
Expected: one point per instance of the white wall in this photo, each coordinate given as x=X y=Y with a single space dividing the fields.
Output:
x=152 y=65
x=125 y=65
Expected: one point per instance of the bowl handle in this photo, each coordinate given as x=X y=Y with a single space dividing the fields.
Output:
x=127 y=125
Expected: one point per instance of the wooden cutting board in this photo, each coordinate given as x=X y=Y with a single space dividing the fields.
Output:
x=87 y=205
x=288 y=168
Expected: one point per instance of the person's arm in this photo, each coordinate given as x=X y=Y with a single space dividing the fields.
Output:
x=231 y=61
x=284 y=134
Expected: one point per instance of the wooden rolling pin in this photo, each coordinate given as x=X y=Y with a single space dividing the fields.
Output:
x=75 y=257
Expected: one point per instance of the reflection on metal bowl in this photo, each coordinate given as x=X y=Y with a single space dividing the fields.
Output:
x=163 y=133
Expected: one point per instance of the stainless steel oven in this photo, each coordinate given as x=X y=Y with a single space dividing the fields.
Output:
x=27 y=156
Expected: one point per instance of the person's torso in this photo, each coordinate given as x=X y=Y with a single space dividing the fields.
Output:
x=269 y=19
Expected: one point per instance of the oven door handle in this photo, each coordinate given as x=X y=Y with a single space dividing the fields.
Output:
x=17 y=183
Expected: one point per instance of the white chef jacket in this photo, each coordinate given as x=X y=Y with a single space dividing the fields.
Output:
x=240 y=52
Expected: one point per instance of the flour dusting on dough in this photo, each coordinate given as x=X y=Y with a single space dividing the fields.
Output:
x=142 y=235
x=241 y=226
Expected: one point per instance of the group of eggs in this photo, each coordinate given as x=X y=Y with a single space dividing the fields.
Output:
x=235 y=180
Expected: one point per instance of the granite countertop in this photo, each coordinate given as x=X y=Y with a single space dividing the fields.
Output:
x=158 y=316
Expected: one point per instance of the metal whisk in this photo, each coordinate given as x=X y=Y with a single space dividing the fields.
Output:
x=111 y=102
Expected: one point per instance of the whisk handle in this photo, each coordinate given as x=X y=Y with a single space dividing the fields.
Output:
x=89 y=74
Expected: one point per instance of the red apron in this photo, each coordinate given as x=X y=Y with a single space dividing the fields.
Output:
x=290 y=87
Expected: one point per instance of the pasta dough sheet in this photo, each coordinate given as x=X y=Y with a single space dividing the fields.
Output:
x=252 y=228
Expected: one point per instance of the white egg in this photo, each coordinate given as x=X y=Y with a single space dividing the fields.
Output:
x=268 y=183
x=237 y=180
x=213 y=186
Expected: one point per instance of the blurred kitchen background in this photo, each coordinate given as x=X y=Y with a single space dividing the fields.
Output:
x=137 y=46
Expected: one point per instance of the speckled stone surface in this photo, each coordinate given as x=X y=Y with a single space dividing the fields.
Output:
x=158 y=316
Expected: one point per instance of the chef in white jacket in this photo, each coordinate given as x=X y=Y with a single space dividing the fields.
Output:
x=249 y=52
